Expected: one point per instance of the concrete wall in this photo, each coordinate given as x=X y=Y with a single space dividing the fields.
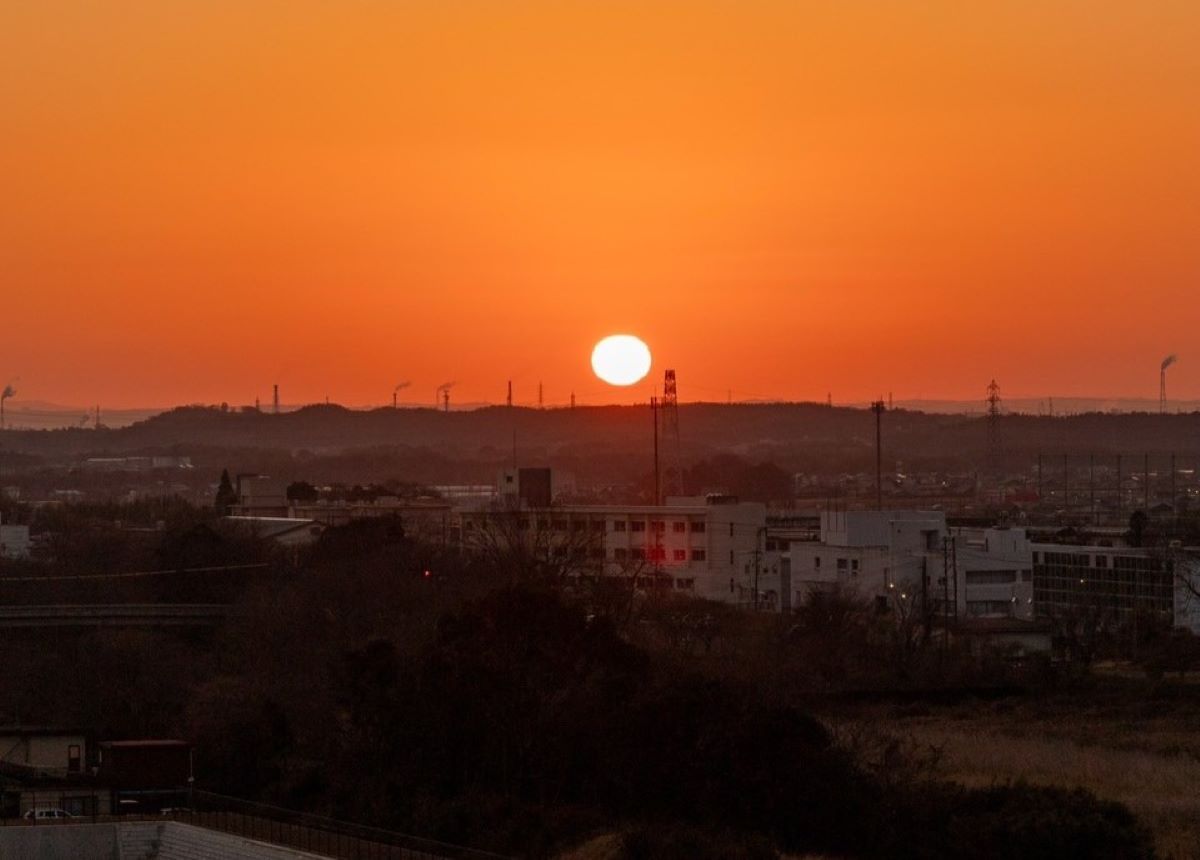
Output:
x=59 y=842
x=135 y=840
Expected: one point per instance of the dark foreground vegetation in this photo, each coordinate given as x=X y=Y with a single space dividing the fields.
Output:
x=523 y=715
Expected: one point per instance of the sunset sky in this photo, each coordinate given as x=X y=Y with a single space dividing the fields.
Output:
x=784 y=199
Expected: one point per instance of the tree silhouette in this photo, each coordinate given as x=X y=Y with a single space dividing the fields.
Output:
x=226 y=495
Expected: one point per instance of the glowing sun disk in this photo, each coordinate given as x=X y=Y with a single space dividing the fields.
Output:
x=621 y=359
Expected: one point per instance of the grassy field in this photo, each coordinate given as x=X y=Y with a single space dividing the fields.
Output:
x=1131 y=744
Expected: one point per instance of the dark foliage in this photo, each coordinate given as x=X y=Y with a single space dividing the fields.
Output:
x=678 y=842
x=1019 y=822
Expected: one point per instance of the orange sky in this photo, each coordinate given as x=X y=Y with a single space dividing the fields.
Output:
x=202 y=197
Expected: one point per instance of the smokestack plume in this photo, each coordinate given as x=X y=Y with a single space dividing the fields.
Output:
x=8 y=392
x=1168 y=361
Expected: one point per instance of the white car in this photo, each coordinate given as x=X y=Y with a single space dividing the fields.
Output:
x=48 y=813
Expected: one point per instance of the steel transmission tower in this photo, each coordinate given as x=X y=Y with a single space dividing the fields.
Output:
x=993 y=414
x=669 y=415
x=993 y=434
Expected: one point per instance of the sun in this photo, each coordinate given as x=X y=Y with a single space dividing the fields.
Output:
x=621 y=359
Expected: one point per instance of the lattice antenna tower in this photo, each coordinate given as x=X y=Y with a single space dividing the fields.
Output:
x=993 y=424
x=669 y=416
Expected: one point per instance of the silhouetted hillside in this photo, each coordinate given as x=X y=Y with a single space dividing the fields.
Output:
x=800 y=436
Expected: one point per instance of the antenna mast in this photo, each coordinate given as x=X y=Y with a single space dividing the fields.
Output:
x=673 y=473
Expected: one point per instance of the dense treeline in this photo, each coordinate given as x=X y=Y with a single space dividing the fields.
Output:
x=527 y=717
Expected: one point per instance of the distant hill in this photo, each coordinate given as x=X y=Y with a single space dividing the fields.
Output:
x=800 y=436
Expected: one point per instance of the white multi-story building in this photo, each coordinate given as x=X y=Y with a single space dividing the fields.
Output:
x=702 y=546
x=890 y=556
x=1107 y=583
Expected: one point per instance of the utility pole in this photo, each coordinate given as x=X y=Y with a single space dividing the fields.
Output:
x=954 y=572
x=1092 y=486
x=877 y=407
x=1039 y=479
x=1174 y=497
x=1146 y=486
x=1066 y=485
x=508 y=401
x=1120 y=490
x=654 y=420
x=946 y=593
x=759 y=534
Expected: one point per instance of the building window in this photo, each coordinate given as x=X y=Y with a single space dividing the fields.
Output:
x=1101 y=561
x=841 y=564
x=685 y=584
x=991 y=577
x=658 y=526
x=699 y=555
x=638 y=554
x=680 y=555
x=989 y=607
x=816 y=562
x=637 y=526
x=559 y=525
x=697 y=527
x=73 y=757
x=854 y=565
x=731 y=529
x=731 y=557
x=620 y=554
x=618 y=525
x=678 y=527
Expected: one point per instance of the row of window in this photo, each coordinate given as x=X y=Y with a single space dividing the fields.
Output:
x=1076 y=559
x=677 y=526
x=665 y=582
x=656 y=553
x=989 y=607
x=996 y=577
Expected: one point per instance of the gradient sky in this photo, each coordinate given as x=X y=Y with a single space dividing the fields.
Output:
x=202 y=197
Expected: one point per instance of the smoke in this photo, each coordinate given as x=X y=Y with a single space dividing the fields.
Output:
x=1169 y=360
x=446 y=386
x=400 y=386
x=8 y=392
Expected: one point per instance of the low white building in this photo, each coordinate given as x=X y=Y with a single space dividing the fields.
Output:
x=701 y=546
x=15 y=542
x=890 y=556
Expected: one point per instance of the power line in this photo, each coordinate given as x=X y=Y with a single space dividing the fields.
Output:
x=132 y=574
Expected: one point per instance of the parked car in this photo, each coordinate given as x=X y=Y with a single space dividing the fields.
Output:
x=47 y=813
